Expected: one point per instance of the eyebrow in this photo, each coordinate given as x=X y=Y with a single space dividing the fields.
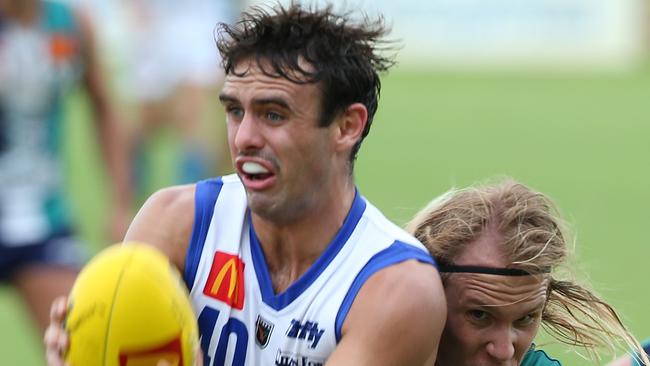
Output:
x=474 y=301
x=277 y=101
x=226 y=98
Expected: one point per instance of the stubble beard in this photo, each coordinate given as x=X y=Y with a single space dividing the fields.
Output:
x=276 y=209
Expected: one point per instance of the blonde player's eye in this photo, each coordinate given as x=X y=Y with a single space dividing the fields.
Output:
x=478 y=315
x=527 y=319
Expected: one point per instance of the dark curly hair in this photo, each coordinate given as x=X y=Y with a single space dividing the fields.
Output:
x=343 y=56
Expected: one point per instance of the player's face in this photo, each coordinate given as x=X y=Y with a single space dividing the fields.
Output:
x=282 y=156
x=491 y=319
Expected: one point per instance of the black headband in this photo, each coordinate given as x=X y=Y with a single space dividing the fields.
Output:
x=453 y=268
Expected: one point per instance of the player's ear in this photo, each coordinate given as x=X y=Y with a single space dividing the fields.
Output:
x=350 y=125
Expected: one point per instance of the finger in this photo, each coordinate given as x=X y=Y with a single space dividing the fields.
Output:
x=62 y=343
x=58 y=309
x=198 y=355
x=55 y=337
x=56 y=342
x=49 y=336
x=53 y=358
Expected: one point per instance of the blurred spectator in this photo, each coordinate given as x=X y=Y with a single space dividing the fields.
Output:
x=174 y=73
x=46 y=48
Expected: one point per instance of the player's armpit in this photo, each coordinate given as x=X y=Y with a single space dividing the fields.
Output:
x=396 y=319
x=165 y=221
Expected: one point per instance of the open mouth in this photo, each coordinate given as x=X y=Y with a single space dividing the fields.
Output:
x=256 y=175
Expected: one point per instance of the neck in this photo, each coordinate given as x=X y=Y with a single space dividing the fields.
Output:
x=291 y=248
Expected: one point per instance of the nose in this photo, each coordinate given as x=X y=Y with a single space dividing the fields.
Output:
x=502 y=346
x=247 y=134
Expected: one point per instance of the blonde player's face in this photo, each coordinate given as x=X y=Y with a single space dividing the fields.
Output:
x=491 y=319
x=283 y=158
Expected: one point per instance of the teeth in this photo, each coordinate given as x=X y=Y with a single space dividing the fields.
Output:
x=253 y=168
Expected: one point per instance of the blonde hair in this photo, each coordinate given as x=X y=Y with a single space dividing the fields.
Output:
x=533 y=240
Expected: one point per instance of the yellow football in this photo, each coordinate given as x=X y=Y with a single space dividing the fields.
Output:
x=130 y=307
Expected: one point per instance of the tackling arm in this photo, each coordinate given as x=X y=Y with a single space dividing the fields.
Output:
x=396 y=319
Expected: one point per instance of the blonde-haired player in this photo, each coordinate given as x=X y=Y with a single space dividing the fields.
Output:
x=499 y=247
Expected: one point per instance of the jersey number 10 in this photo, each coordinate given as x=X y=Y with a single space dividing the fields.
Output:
x=207 y=322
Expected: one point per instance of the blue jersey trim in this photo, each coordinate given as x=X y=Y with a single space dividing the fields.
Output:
x=205 y=198
x=396 y=253
x=282 y=300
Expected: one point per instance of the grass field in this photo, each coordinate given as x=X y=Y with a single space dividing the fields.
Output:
x=584 y=140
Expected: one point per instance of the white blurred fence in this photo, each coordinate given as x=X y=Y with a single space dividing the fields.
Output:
x=571 y=34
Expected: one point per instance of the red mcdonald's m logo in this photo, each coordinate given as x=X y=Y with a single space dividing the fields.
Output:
x=226 y=280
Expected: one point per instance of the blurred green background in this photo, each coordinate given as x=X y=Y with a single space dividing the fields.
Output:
x=584 y=139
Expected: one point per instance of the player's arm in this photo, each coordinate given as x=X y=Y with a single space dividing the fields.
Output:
x=396 y=319
x=111 y=133
x=165 y=221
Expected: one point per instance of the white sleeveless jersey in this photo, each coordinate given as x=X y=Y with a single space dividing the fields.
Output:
x=241 y=320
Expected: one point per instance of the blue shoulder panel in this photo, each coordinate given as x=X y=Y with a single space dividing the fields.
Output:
x=205 y=198
x=396 y=253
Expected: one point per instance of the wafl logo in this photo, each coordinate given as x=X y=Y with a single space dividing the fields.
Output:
x=226 y=280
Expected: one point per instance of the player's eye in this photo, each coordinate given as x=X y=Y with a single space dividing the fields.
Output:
x=527 y=319
x=235 y=112
x=274 y=117
x=478 y=315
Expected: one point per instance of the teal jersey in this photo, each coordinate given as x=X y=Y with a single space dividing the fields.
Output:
x=39 y=62
x=538 y=358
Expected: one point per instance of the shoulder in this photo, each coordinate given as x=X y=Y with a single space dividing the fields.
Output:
x=537 y=357
x=165 y=221
x=171 y=201
x=394 y=286
x=167 y=218
x=396 y=318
